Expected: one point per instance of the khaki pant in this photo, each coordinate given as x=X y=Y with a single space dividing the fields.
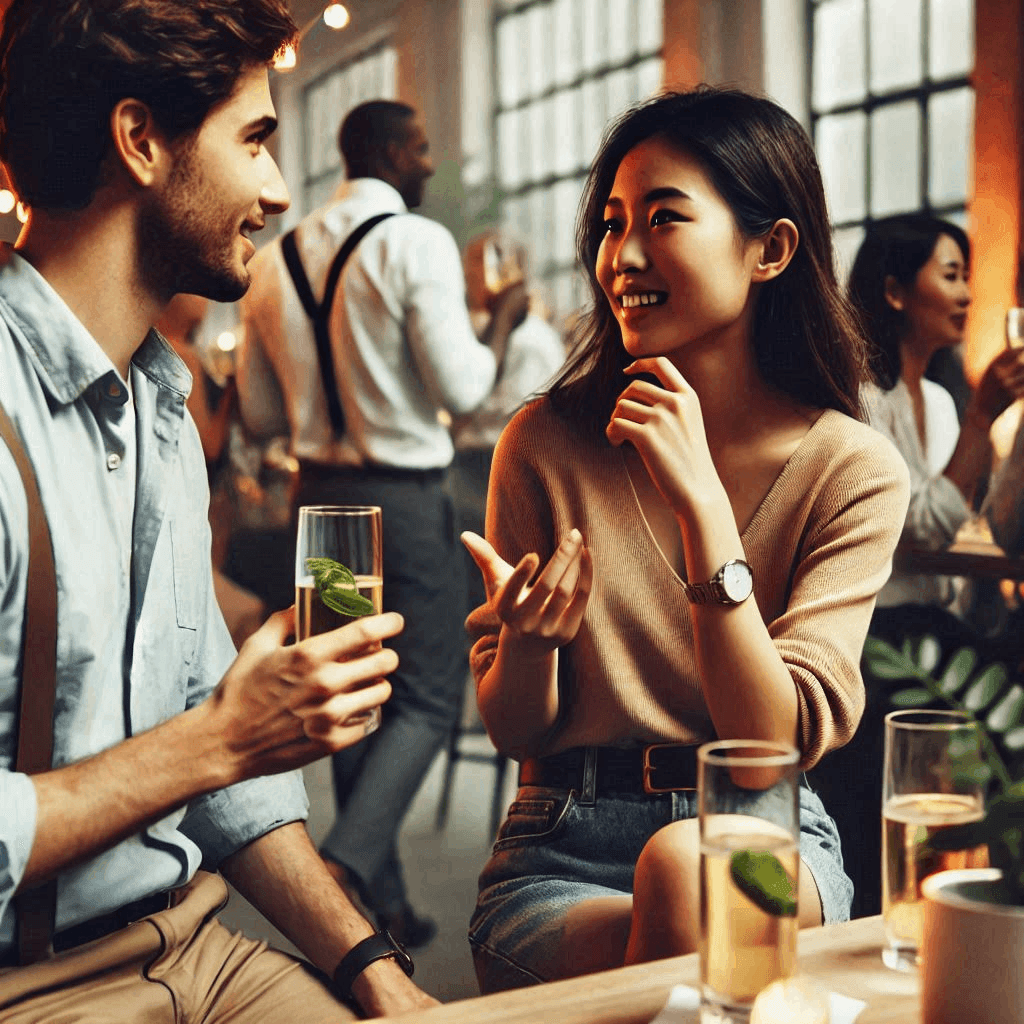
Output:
x=180 y=966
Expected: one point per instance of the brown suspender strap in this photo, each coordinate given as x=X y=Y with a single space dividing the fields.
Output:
x=35 y=908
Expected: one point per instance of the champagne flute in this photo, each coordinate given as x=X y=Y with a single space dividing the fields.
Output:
x=351 y=535
x=1015 y=327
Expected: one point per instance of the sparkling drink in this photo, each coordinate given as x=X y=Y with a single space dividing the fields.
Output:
x=743 y=947
x=313 y=617
x=909 y=821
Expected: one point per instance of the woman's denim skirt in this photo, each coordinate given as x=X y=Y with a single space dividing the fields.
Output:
x=553 y=852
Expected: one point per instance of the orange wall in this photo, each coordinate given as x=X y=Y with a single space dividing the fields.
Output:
x=995 y=218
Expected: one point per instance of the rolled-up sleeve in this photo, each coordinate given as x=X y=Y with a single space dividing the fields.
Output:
x=17 y=831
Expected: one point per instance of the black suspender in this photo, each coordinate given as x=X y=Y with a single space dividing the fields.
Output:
x=320 y=312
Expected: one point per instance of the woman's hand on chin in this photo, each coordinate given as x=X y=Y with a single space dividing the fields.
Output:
x=546 y=614
x=665 y=425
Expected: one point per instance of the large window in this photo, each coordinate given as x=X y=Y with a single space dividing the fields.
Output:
x=892 y=109
x=563 y=67
x=326 y=101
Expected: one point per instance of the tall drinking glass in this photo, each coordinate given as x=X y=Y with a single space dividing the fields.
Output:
x=749 y=867
x=927 y=786
x=352 y=536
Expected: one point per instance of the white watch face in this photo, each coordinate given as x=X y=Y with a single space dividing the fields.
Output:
x=737 y=581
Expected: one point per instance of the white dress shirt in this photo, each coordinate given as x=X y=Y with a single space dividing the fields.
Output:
x=937 y=507
x=401 y=336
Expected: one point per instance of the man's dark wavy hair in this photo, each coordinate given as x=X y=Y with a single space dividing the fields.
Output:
x=65 y=65
x=806 y=338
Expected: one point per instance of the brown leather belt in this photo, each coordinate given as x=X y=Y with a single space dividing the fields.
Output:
x=659 y=768
x=99 y=927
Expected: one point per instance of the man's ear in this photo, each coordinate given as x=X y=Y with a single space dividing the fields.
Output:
x=895 y=294
x=777 y=249
x=140 y=146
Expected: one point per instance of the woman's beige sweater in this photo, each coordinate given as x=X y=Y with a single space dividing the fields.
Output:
x=820 y=546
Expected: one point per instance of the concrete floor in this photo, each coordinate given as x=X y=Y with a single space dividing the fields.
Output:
x=441 y=867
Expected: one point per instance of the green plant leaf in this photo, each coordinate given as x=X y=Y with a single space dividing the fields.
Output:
x=1014 y=739
x=929 y=651
x=914 y=697
x=985 y=686
x=337 y=587
x=958 y=670
x=1006 y=714
x=760 y=876
x=885 y=662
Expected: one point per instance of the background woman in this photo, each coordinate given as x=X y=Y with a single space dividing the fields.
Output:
x=713 y=523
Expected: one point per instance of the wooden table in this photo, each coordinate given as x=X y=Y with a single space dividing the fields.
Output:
x=846 y=958
x=981 y=561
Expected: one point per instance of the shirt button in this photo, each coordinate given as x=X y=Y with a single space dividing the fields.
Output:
x=113 y=460
x=114 y=391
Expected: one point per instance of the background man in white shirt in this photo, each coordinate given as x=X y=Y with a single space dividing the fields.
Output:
x=403 y=349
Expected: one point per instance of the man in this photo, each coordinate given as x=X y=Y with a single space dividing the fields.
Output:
x=401 y=351
x=134 y=130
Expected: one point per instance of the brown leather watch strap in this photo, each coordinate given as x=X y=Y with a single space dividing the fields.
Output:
x=35 y=908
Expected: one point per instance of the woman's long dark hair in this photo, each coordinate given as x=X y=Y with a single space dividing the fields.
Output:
x=896 y=247
x=806 y=339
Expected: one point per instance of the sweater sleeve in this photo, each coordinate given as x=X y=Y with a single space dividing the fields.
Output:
x=519 y=521
x=844 y=560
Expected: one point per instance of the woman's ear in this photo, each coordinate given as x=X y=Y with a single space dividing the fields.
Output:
x=777 y=249
x=895 y=294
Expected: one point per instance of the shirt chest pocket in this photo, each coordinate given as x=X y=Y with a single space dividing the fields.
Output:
x=186 y=568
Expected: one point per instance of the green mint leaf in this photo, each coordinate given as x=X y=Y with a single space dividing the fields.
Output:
x=336 y=586
x=760 y=876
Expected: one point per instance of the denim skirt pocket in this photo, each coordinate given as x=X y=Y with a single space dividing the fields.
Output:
x=536 y=816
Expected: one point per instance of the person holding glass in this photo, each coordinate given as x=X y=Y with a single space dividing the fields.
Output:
x=910 y=285
x=685 y=537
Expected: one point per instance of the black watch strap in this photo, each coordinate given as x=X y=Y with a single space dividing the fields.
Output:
x=364 y=953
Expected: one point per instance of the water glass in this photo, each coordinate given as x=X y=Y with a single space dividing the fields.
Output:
x=749 y=870
x=928 y=784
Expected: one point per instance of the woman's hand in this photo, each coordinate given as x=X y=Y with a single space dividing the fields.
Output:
x=1001 y=384
x=666 y=427
x=544 y=615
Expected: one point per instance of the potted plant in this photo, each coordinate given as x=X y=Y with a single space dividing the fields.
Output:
x=972 y=951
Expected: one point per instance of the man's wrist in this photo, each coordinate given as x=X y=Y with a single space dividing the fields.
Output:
x=350 y=978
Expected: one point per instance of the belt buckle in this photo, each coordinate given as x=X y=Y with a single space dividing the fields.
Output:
x=650 y=766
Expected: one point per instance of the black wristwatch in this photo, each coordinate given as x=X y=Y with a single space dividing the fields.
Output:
x=361 y=955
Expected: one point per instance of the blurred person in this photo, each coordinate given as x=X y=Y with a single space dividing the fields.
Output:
x=135 y=134
x=685 y=537
x=211 y=409
x=360 y=395
x=533 y=355
x=1004 y=505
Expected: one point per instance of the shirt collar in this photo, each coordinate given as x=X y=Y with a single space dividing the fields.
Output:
x=68 y=358
x=373 y=190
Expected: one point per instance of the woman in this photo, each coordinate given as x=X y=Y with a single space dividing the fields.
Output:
x=910 y=285
x=705 y=432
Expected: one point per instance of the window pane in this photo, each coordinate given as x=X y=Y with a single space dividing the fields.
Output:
x=621 y=30
x=845 y=243
x=649 y=77
x=621 y=87
x=650 y=25
x=950 y=146
x=566 y=153
x=515 y=218
x=510 y=87
x=839 y=57
x=895 y=43
x=895 y=159
x=950 y=38
x=566 y=200
x=841 y=154
x=540 y=139
x=510 y=150
x=566 y=37
x=593 y=117
x=541 y=233
x=593 y=30
x=537 y=43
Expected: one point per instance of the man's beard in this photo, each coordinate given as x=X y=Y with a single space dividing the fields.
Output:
x=183 y=250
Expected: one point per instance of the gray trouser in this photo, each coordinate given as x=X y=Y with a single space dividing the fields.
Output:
x=376 y=780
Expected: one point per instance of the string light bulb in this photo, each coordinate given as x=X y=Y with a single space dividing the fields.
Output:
x=22 y=213
x=7 y=201
x=336 y=16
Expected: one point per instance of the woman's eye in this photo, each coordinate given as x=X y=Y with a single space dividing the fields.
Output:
x=664 y=217
x=611 y=225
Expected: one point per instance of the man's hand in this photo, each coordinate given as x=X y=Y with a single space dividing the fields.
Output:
x=281 y=706
x=511 y=304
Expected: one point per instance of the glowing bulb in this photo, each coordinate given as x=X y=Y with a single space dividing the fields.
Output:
x=227 y=341
x=336 y=16
x=22 y=213
x=7 y=200
x=286 y=58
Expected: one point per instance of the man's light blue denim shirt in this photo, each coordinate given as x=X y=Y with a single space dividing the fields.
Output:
x=153 y=604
